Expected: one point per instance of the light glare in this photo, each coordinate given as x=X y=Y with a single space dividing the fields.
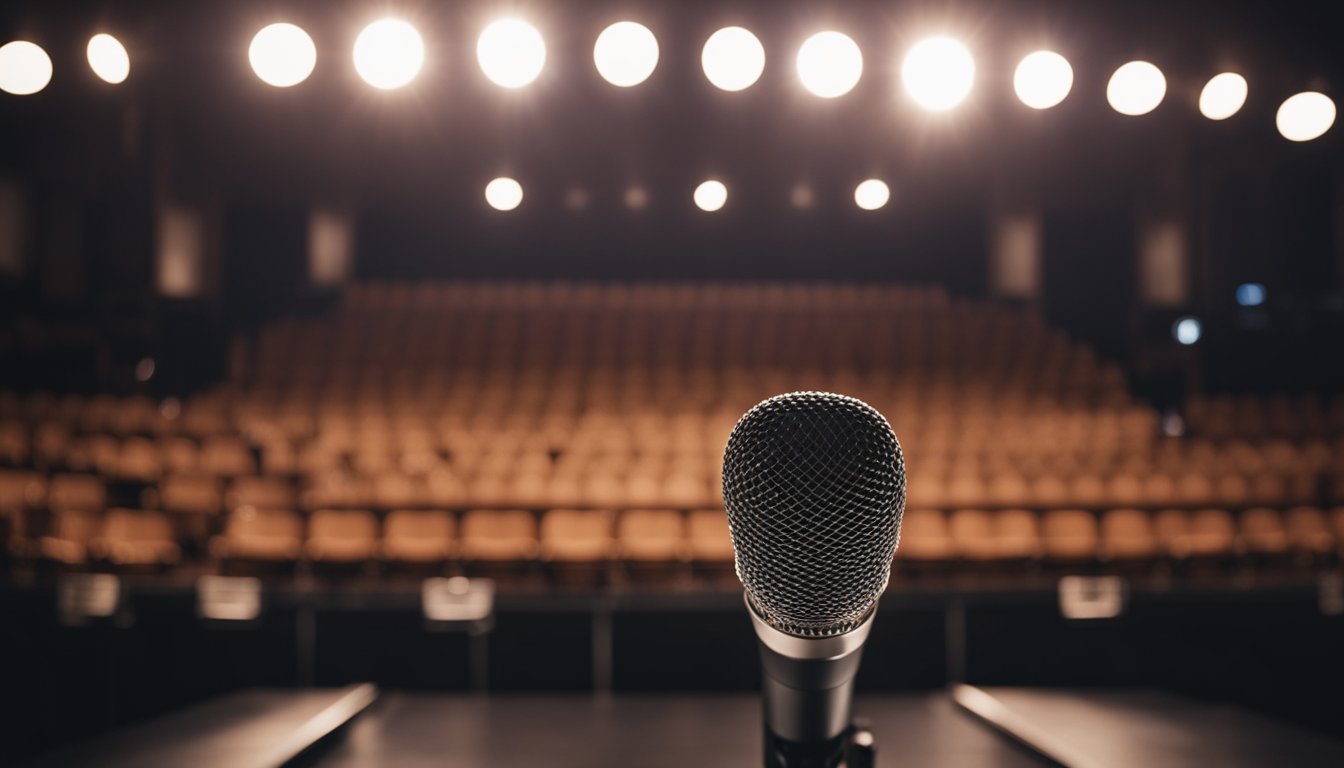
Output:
x=108 y=58
x=1187 y=330
x=1136 y=88
x=711 y=195
x=830 y=64
x=626 y=53
x=511 y=52
x=283 y=55
x=872 y=194
x=1043 y=79
x=1251 y=294
x=733 y=59
x=1305 y=116
x=504 y=194
x=25 y=68
x=1223 y=96
x=389 y=54
x=938 y=73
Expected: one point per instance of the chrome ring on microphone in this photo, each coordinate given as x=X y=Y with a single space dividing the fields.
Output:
x=809 y=648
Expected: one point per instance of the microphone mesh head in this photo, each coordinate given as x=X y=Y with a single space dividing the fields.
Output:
x=814 y=487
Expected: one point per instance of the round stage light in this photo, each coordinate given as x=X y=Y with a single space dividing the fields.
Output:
x=711 y=195
x=802 y=196
x=1223 y=96
x=389 y=54
x=636 y=198
x=1043 y=79
x=1136 y=88
x=871 y=194
x=830 y=64
x=283 y=55
x=626 y=54
x=1187 y=330
x=733 y=59
x=108 y=58
x=1251 y=294
x=504 y=194
x=1305 y=116
x=511 y=53
x=25 y=68
x=938 y=73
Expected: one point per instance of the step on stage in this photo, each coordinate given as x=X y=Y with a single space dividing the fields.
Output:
x=339 y=728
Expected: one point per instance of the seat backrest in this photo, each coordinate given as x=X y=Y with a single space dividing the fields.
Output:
x=347 y=524
x=418 y=524
x=79 y=525
x=707 y=534
x=1070 y=532
x=261 y=492
x=83 y=492
x=650 y=524
x=572 y=524
x=498 y=524
x=137 y=525
x=248 y=521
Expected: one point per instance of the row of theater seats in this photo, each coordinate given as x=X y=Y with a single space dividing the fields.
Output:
x=1247 y=416
x=130 y=538
x=127 y=537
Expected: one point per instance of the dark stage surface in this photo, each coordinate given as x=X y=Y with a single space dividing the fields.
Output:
x=338 y=727
x=414 y=730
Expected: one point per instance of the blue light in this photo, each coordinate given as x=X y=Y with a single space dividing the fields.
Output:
x=1187 y=330
x=1251 y=294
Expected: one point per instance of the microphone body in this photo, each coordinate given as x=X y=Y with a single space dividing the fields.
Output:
x=814 y=488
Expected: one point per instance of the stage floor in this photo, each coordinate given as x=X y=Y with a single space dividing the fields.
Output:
x=420 y=731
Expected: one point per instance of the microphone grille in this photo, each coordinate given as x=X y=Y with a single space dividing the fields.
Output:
x=814 y=488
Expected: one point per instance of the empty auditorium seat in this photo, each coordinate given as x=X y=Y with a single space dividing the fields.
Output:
x=68 y=535
x=226 y=457
x=571 y=535
x=973 y=534
x=925 y=536
x=1203 y=533
x=199 y=495
x=498 y=535
x=418 y=536
x=82 y=492
x=1069 y=534
x=273 y=535
x=261 y=492
x=650 y=535
x=1263 y=532
x=1127 y=534
x=21 y=490
x=1309 y=530
x=342 y=536
x=708 y=539
x=133 y=537
x=1016 y=534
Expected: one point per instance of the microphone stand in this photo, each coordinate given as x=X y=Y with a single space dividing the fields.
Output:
x=854 y=748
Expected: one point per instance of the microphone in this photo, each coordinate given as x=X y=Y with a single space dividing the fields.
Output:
x=814 y=488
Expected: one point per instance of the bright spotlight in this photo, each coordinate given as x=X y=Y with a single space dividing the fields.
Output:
x=871 y=194
x=626 y=53
x=1187 y=330
x=711 y=195
x=830 y=64
x=504 y=194
x=1043 y=79
x=733 y=59
x=25 y=68
x=1303 y=117
x=938 y=73
x=389 y=54
x=283 y=55
x=1222 y=96
x=1136 y=88
x=1251 y=294
x=511 y=53
x=108 y=58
